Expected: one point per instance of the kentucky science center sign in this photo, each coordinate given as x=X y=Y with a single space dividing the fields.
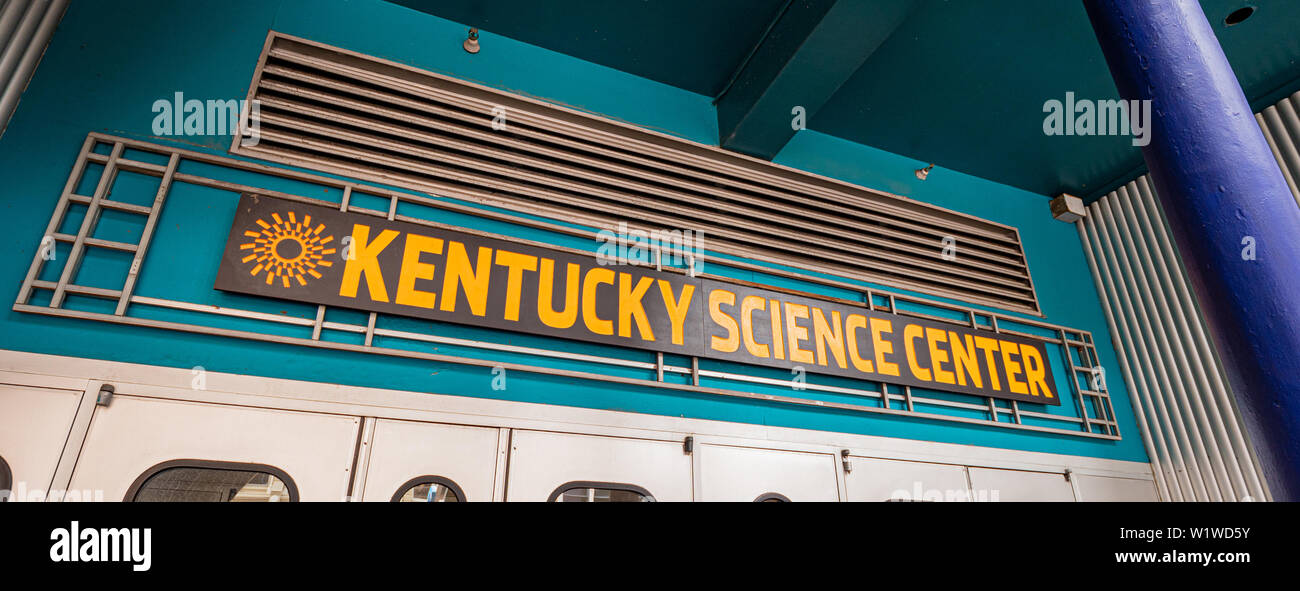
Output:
x=295 y=251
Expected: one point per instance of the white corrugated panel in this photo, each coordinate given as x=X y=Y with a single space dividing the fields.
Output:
x=25 y=30
x=1281 y=128
x=1186 y=412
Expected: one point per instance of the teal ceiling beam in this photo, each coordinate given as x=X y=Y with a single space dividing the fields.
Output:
x=810 y=50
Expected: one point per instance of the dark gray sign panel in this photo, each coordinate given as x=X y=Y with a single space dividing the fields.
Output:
x=765 y=327
x=321 y=255
x=290 y=250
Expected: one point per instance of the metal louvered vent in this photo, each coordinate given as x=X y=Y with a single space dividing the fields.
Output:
x=329 y=109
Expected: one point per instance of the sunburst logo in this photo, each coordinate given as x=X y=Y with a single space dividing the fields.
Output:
x=287 y=250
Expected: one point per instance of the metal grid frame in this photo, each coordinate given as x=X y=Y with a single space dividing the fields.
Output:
x=1099 y=423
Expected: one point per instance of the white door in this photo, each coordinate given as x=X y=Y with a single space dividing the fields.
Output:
x=729 y=473
x=875 y=479
x=134 y=434
x=1020 y=485
x=542 y=462
x=1105 y=488
x=405 y=454
x=34 y=424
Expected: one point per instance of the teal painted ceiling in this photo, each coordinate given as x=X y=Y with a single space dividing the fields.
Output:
x=960 y=83
x=694 y=45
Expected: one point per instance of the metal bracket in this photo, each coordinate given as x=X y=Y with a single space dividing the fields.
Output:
x=105 y=397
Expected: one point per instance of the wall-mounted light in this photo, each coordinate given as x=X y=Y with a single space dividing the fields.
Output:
x=921 y=173
x=471 y=44
x=1068 y=208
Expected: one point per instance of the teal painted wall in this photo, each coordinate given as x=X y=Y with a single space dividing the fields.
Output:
x=109 y=61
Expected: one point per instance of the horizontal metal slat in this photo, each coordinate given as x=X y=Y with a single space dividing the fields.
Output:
x=396 y=162
x=358 y=116
x=324 y=150
x=677 y=153
x=704 y=178
x=434 y=157
x=997 y=260
x=89 y=241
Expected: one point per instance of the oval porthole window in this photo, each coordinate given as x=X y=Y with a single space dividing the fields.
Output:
x=429 y=489
x=6 y=481
x=600 y=492
x=202 y=481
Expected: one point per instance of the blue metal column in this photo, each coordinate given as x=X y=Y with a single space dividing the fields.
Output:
x=1222 y=192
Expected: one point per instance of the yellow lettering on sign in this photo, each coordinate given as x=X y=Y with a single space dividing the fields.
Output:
x=595 y=324
x=796 y=333
x=457 y=274
x=828 y=334
x=1035 y=371
x=545 y=301
x=989 y=346
x=747 y=307
x=879 y=328
x=516 y=264
x=630 y=307
x=937 y=356
x=677 y=309
x=778 y=340
x=1013 y=368
x=965 y=360
x=852 y=324
x=911 y=332
x=730 y=344
x=364 y=260
x=413 y=269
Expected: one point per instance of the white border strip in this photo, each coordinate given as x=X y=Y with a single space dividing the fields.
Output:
x=55 y=371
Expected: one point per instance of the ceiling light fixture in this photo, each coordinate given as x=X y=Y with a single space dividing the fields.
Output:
x=921 y=173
